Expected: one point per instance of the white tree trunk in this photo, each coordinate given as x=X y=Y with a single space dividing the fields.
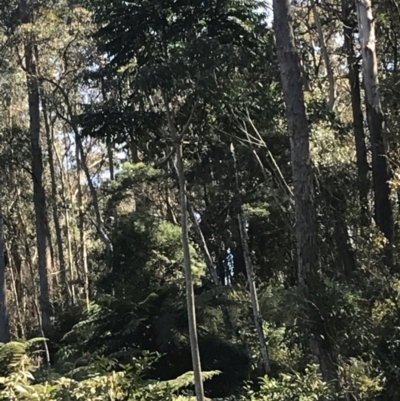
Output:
x=191 y=307
x=258 y=322
x=380 y=166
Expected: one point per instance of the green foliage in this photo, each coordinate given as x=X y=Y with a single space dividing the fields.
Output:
x=15 y=356
x=105 y=380
x=293 y=387
x=146 y=58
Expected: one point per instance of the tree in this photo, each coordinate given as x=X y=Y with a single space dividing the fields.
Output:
x=188 y=276
x=258 y=321
x=4 y=318
x=305 y=212
x=358 y=118
x=380 y=165
x=55 y=208
x=42 y=228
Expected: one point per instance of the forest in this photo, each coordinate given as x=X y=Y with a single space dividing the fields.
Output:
x=199 y=200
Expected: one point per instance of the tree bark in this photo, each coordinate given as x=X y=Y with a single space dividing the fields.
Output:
x=39 y=197
x=344 y=253
x=380 y=166
x=101 y=230
x=211 y=268
x=4 y=317
x=110 y=156
x=305 y=211
x=191 y=307
x=82 y=234
x=99 y=221
x=17 y=297
x=72 y=277
x=258 y=322
x=31 y=259
x=325 y=55
x=358 y=119
x=208 y=259
x=54 y=194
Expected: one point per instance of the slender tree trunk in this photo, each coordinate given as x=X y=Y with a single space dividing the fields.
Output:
x=99 y=221
x=17 y=279
x=65 y=186
x=258 y=322
x=17 y=298
x=72 y=277
x=82 y=234
x=211 y=268
x=358 y=119
x=102 y=232
x=30 y=261
x=4 y=318
x=39 y=197
x=110 y=156
x=344 y=252
x=380 y=167
x=305 y=212
x=207 y=257
x=134 y=153
x=239 y=264
x=54 y=194
x=194 y=343
x=325 y=55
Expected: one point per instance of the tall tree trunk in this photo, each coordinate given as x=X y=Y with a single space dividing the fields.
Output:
x=17 y=297
x=101 y=230
x=207 y=257
x=31 y=259
x=66 y=187
x=258 y=322
x=39 y=197
x=82 y=234
x=325 y=55
x=235 y=244
x=54 y=194
x=305 y=212
x=191 y=307
x=211 y=268
x=110 y=156
x=380 y=167
x=4 y=318
x=344 y=253
x=358 y=119
x=72 y=277
x=99 y=221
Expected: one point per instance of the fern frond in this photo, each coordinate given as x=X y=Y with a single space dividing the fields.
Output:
x=13 y=353
x=185 y=380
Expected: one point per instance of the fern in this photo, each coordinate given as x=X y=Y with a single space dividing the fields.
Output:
x=185 y=380
x=13 y=356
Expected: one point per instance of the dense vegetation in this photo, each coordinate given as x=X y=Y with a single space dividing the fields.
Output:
x=199 y=199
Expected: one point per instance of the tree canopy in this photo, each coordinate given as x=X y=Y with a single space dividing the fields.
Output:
x=199 y=200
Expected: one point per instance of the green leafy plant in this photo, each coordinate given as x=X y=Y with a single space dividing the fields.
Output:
x=307 y=386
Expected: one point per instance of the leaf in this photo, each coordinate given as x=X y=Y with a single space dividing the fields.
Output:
x=21 y=389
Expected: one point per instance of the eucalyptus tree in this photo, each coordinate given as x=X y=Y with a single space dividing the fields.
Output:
x=16 y=203
x=16 y=16
x=380 y=165
x=306 y=227
x=4 y=316
x=349 y=25
x=177 y=58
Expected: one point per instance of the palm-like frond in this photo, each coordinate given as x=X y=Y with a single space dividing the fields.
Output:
x=185 y=380
x=13 y=355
